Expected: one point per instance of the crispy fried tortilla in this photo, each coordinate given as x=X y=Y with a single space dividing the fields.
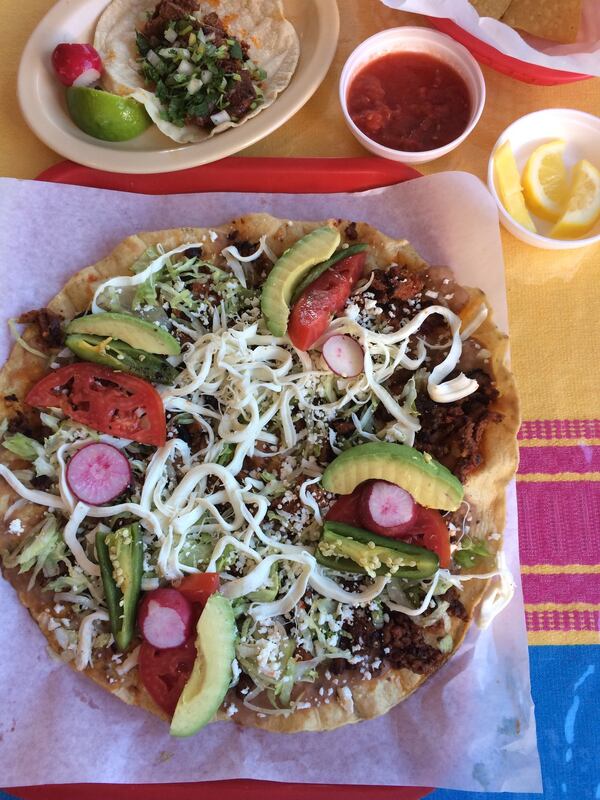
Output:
x=485 y=488
x=557 y=20
x=272 y=40
x=490 y=8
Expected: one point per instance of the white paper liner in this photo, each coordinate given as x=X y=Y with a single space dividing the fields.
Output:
x=470 y=727
x=582 y=56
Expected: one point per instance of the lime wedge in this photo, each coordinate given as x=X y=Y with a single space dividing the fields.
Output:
x=106 y=116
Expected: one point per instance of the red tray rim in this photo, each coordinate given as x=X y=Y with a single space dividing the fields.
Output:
x=501 y=62
x=236 y=173
x=242 y=173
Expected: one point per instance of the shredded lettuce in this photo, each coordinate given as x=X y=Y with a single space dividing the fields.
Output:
x=43 y=550
x=196 y=551
x=23 y=446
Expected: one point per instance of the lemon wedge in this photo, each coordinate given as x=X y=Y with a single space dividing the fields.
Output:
x=508 y=185
x=545 y=181
x=583 y=205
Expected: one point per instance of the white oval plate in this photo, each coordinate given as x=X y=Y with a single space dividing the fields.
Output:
x=43 y=102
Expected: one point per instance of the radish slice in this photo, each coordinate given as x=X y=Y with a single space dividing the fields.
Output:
x=165 y=618
x=387 y=509
x=343 y=355
x=98 y=473
x=76 y=64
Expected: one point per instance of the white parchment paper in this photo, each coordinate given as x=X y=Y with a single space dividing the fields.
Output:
x=582 y=56
x=470 y=727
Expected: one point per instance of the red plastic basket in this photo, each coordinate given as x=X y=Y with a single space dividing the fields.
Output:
x=488 y=55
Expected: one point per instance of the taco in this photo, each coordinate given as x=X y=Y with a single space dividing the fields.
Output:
x=321 y=487
x=198 y=67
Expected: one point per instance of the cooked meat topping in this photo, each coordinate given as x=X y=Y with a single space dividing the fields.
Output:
x=456 y=608
x=398 y=642
x=193 y=252
x=407 y=645
x=351 y=232
x=395 y=283
x=49 y=325
x=452 y=432
x=42 y=482
x=166 y=11
x=242 y=96
x=27 y=422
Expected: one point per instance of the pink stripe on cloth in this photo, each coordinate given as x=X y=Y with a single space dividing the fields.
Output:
x=562 y=588
x=560 y=429
x=562 y=620
x=559 y=522
x=575 y=458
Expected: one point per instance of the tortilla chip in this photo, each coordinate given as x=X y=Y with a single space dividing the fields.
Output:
x=272 y=41
x=485 y=487
x=556 y=20
x=490 y=8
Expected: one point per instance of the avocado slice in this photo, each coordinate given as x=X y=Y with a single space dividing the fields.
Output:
x=212 y=672
x=430 y=483
x=118 y=355
x=289 y=269
x=317 y=271
x=348 y=549
x=135 y=331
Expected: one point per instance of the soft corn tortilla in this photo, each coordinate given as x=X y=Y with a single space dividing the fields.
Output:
x=556 y=20
x=486 y=487
x=273 y=45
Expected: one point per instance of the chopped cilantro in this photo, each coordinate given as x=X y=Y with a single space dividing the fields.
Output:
x=197 y=75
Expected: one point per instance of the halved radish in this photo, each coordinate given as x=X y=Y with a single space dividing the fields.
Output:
x=343 y=355
x=165 y=618
x=98 y=473
x=386 y=509
x=76 y=64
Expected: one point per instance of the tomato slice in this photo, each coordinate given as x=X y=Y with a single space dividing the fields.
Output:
x=346 y=509
x=199 y=586
x=108 y=401
x=164 y=673
x=324 y=297
x=430 y=531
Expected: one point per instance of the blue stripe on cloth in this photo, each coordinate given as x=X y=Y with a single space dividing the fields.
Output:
x=566 y=687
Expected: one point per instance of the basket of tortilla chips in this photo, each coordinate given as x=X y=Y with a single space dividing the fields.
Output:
x=545 y=43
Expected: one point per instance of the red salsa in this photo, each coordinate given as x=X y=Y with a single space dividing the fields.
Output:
x=409 y=101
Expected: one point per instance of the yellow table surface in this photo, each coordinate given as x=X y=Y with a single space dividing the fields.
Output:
x=553 y=297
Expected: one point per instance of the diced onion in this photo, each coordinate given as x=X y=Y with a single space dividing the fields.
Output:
x=185 y=67
x=153 y=58
x=194 y=85
x=220 y=117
